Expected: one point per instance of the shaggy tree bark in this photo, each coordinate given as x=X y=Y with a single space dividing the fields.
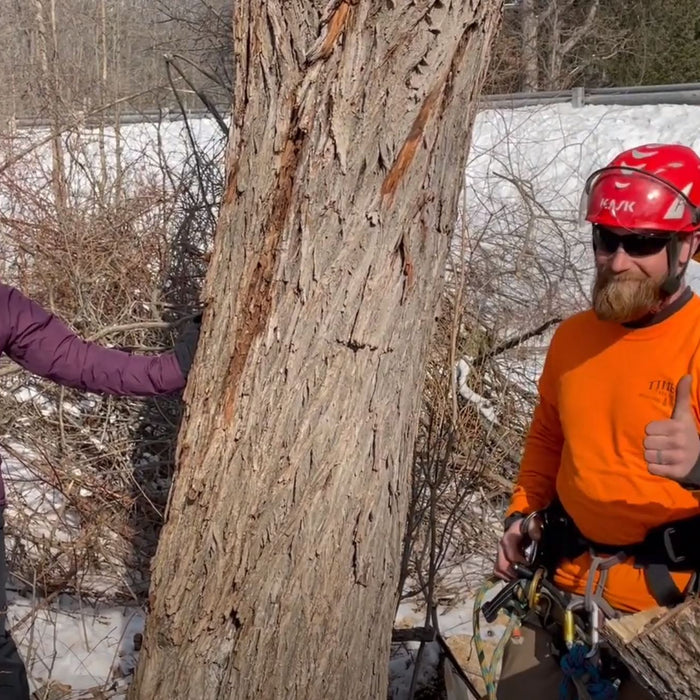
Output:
x=277 y=569
x=661 y=646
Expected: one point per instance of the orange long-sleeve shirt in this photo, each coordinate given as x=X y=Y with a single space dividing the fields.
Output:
x=601 y=385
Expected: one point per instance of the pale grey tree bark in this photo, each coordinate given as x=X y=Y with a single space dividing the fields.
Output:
x=530 y=48
x=276 y=574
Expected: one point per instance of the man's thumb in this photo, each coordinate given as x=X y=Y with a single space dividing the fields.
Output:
x=683 y=404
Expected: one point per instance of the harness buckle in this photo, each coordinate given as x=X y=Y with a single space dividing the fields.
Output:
x=670 y=550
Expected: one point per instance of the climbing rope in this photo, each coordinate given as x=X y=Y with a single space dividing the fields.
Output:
x=583 y=673
x=580 y=668
x=489 y=671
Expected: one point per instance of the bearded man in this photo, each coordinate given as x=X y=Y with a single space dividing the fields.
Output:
x=611 y=457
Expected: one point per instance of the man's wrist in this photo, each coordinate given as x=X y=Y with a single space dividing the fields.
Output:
x=513 y=517
x=691 y=481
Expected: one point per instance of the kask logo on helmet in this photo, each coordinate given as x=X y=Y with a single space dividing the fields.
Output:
x=617 y=205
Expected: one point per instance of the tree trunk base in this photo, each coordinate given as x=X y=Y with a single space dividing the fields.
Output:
x=661 y=647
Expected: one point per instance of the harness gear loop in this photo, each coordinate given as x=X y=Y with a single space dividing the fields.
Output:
x=595 y=591
x=666 y=548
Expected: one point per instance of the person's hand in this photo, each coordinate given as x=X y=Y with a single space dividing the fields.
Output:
x=510 y=551
x=186 y=345
x=672 y=446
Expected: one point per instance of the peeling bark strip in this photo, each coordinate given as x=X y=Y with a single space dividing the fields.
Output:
x=410 y=146
x=256 y=301
x=230 y=188
x=333 y=28
x=276 y=574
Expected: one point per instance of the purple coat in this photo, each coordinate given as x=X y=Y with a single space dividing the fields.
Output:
x=41 y=343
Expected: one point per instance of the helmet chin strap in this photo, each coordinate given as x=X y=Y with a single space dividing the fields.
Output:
x=673 y=281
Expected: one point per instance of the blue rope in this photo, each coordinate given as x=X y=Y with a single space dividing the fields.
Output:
x=575 y=665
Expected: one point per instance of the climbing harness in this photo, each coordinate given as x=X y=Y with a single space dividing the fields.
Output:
x=666 y=548
x=594 y=675
x=583 y=667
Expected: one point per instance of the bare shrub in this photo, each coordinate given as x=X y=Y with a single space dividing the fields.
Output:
x=121 y=262
x=517 y=268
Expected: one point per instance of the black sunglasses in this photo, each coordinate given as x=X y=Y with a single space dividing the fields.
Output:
x=636 y=245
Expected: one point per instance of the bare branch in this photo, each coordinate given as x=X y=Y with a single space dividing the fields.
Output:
x=582 y=30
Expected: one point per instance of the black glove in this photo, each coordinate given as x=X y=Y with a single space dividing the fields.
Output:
x=186 y=345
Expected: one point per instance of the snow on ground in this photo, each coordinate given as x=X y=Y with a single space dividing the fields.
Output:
x=76 y=644
x=520 y=160
x=144 y=148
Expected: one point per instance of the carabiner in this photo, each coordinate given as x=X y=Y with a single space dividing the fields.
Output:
x=569 y=626
x=594 y=622
x=531 y=527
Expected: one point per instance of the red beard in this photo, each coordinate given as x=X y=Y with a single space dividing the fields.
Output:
x=625 y=297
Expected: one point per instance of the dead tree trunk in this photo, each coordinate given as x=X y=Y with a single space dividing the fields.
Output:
x=662 y=647
x=50 y=84
x=277 y=569
x=530 y=50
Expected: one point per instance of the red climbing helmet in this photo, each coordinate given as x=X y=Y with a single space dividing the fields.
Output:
x=650 y=188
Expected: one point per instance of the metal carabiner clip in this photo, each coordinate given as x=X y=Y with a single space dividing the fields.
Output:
x=531 y=527
x=594 y=622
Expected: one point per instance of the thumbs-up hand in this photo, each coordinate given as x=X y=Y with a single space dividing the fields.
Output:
x=672 y=447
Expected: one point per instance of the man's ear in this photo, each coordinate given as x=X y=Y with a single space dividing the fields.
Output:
x=695 y=246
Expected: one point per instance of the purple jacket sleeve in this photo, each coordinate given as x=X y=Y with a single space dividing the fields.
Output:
x=41 y=343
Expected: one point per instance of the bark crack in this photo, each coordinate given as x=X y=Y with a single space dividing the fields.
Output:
x=458 y=56
x=350 y=340
x=359 y=576
x=407 y=266
x=356 y=345
x=256 y=298
x=233 y=616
